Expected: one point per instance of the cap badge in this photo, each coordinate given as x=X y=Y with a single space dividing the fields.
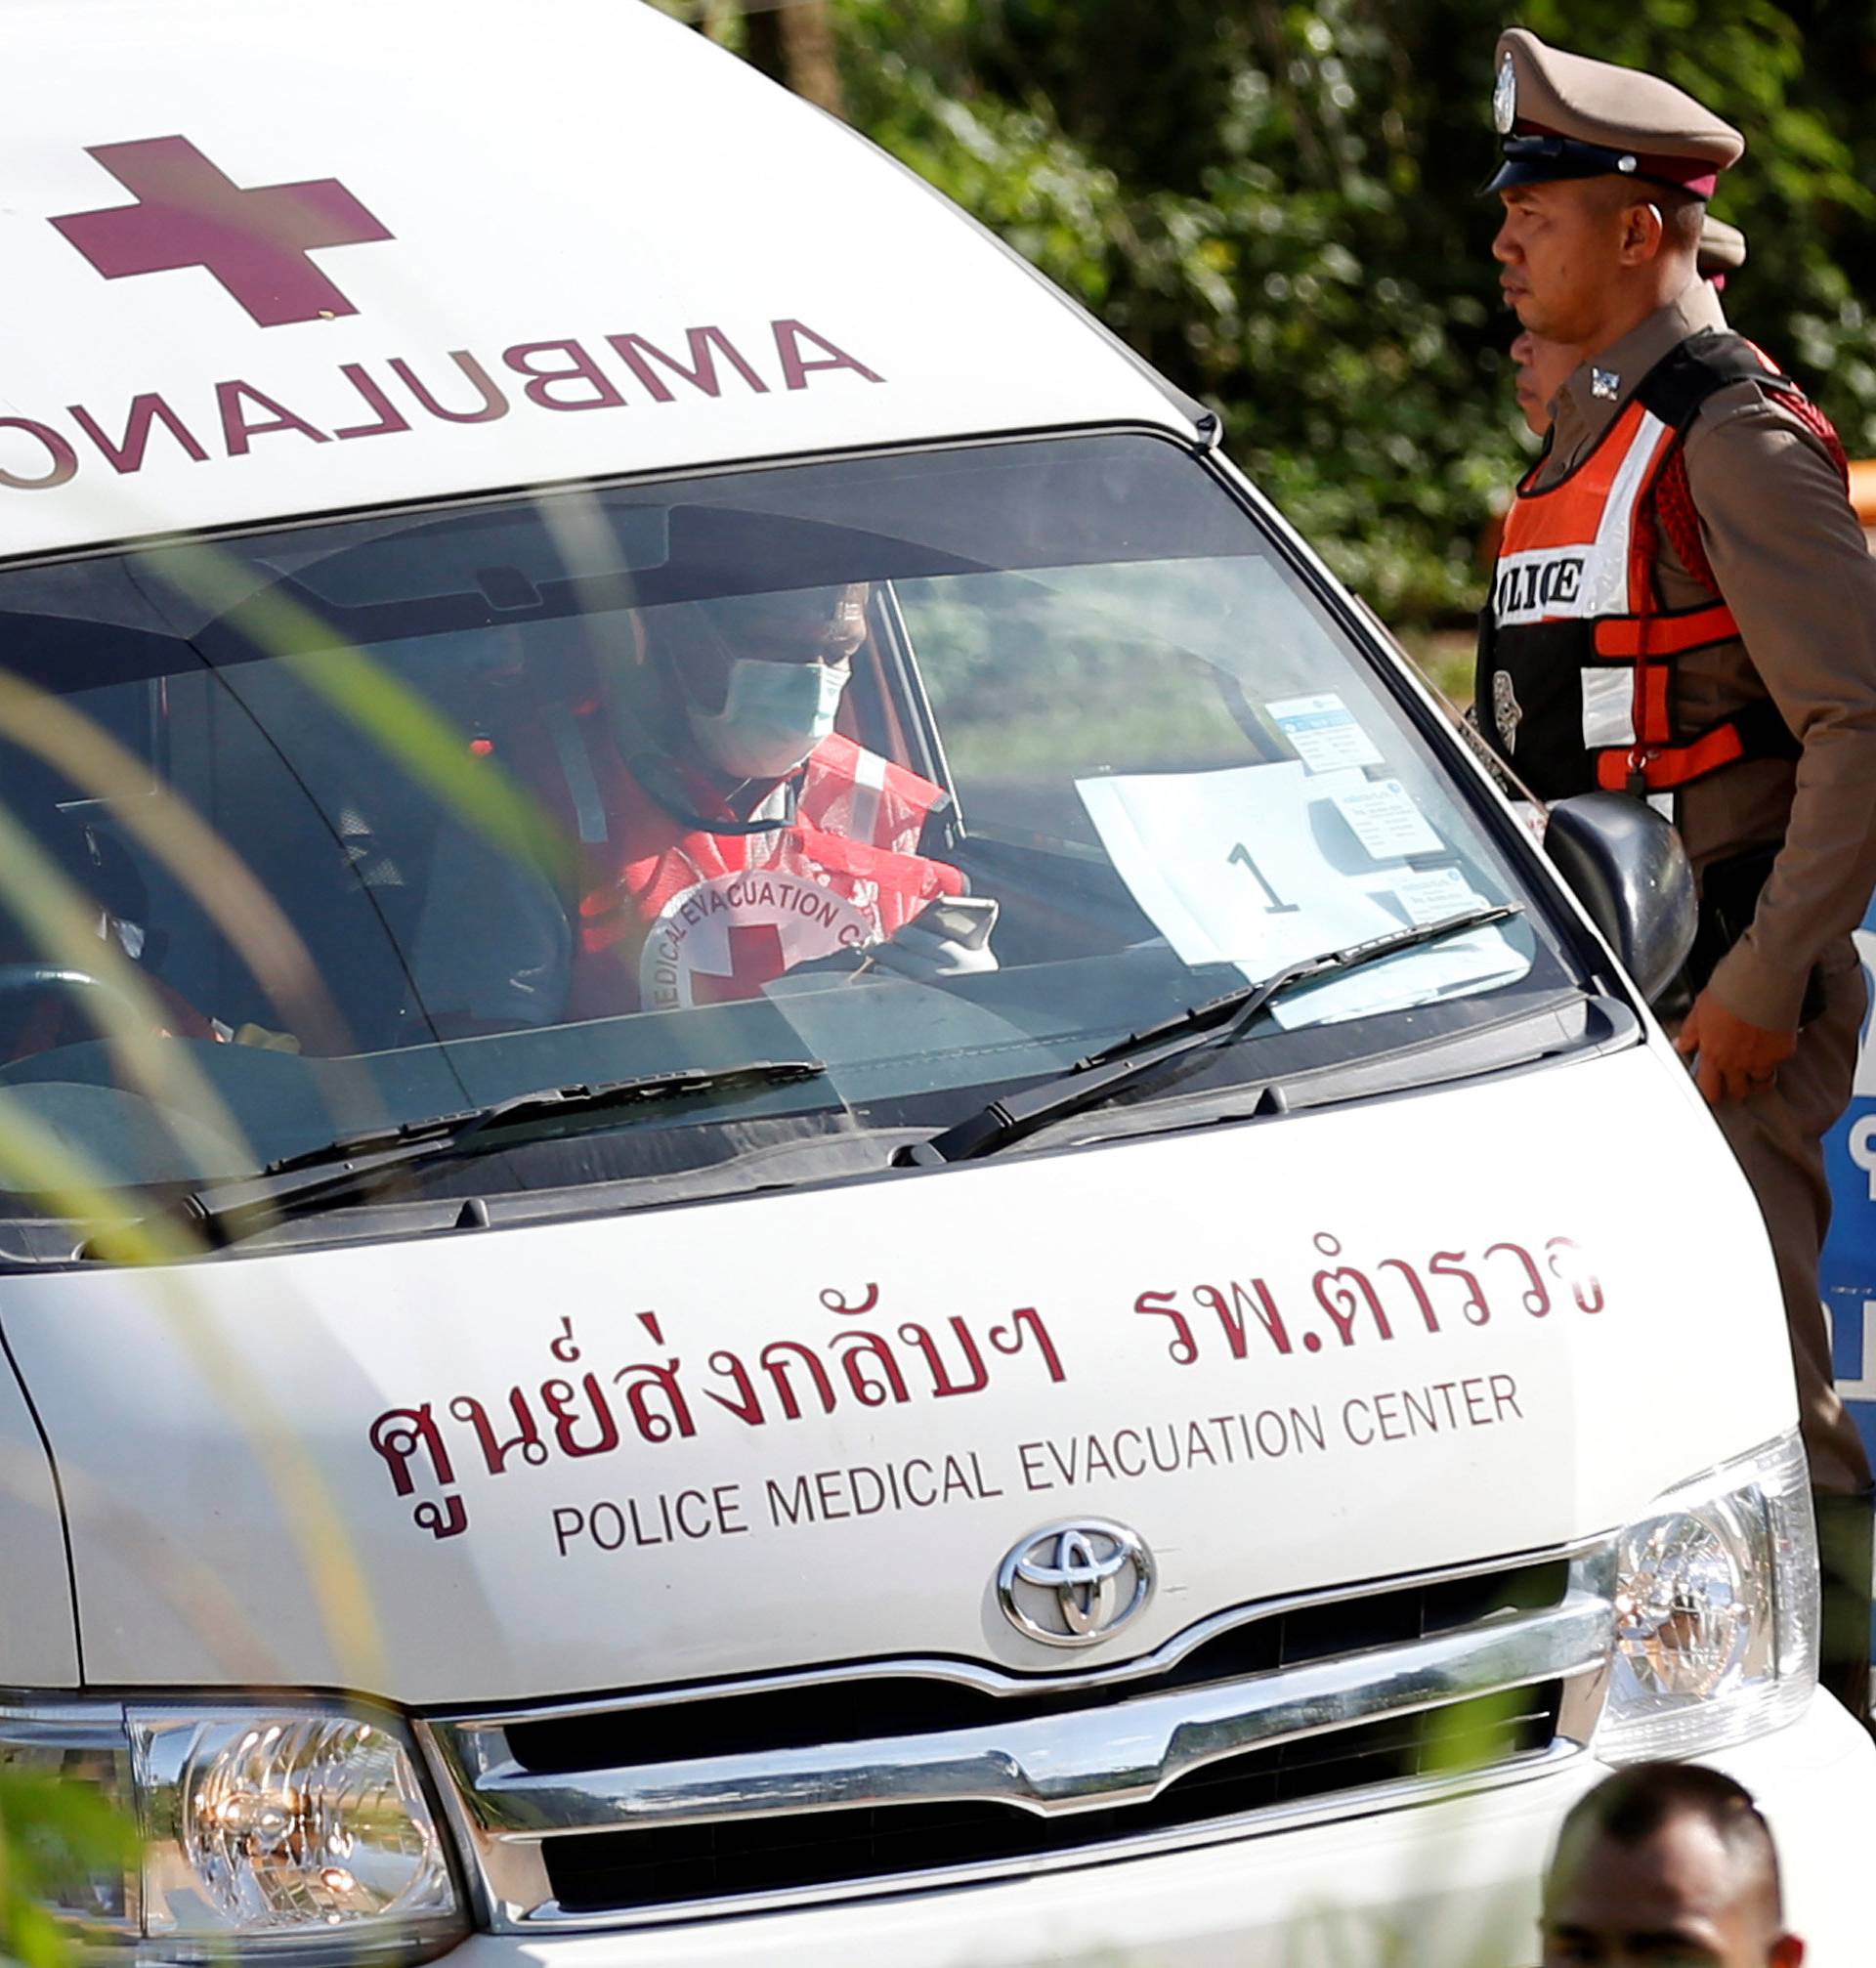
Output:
x=1605 y=384
x=1626 y=164
x=1505 y=98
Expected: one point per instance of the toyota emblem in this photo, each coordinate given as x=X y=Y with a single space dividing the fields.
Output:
x=1076 y=1584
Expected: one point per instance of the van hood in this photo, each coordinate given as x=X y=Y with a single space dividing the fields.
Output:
x=789 y=1430
x=328 y=255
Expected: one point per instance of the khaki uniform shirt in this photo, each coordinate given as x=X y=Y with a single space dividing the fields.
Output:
x=1792 y=564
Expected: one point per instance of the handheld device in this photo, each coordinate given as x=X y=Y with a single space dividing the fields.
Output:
x=965 y=920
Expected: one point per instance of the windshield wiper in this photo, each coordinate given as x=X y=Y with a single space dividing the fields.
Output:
x=1102 y=1075
x=220 y=1212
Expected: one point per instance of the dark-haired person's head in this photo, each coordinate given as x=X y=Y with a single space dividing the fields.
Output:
x=1667 y=1864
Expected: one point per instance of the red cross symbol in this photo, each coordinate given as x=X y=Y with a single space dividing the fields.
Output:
x=255 y=243
x=756 y=959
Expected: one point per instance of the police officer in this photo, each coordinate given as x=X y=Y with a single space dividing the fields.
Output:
x=1683 y=609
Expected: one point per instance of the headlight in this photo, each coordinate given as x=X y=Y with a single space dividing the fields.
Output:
x=1716 y=1601
x=299 y=1830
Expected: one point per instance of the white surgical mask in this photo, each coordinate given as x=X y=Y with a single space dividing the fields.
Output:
x=774 y=714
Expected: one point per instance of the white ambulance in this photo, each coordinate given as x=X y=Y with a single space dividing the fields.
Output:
x=793 y=1171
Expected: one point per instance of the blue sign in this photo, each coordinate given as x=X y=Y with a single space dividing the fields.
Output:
x=1848 y=1272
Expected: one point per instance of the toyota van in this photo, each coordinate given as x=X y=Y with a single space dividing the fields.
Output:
x=1120 y=1343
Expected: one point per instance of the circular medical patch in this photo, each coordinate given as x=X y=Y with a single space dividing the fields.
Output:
x=727 y=938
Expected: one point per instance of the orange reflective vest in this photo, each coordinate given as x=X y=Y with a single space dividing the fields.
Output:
x=675 y=912
x=1575 y=686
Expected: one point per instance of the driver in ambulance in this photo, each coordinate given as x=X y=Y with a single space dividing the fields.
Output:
x=727 y=832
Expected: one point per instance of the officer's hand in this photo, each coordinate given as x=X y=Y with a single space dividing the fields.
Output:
x=1737 y=1058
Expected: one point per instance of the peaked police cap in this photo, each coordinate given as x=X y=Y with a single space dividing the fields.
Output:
x=1722 y=248
x=1562 y=116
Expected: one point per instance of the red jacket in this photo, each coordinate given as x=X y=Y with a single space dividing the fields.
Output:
x=673 y=915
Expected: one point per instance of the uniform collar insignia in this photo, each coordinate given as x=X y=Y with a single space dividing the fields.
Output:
x=1606 y=385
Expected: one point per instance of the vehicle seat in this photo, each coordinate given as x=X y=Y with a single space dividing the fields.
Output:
x=491 y=946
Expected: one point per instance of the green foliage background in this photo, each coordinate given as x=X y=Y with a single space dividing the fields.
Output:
x=1277 y=205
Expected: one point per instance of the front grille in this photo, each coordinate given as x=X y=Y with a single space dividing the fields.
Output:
x=704 y=1725
x=870 y=1776
x=628 y=1870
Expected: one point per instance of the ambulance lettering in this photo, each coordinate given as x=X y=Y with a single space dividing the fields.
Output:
x=127 y=453
x=36 y=459
x=557 y=375
x=726 y=937
x=240 y=427
x=705 y=345
x=573 y=382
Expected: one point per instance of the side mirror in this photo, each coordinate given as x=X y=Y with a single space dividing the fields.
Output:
x=1632 y=877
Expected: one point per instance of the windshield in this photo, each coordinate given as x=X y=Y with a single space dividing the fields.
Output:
x=938 y=770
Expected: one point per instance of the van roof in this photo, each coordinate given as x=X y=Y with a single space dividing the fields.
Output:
x=317 y=255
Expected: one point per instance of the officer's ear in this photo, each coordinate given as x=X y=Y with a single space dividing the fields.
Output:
x=1642 y=234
